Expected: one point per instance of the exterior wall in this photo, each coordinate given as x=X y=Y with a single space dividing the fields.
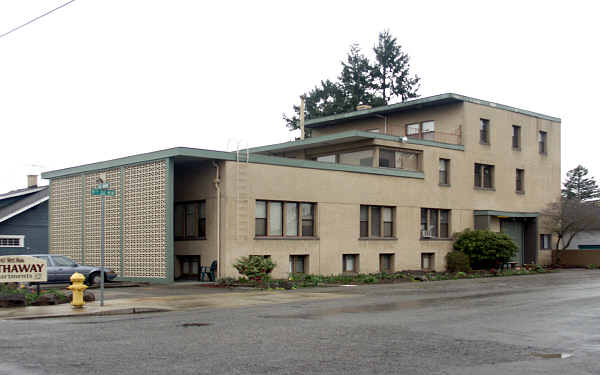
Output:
x=136 y=243
x=194 y=183
x=448 y=119
x=33 y=224
x=591 y=237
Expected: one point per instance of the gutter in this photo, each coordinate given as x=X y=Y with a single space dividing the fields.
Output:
x=216 y=182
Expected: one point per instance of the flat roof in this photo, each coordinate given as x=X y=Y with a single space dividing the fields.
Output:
x=429 y=101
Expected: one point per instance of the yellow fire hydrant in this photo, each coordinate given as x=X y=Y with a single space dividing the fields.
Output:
x=77 y=288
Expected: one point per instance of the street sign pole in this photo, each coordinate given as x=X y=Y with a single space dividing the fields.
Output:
x=102 y=254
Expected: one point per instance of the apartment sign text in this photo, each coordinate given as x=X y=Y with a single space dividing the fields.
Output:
x=22 y=268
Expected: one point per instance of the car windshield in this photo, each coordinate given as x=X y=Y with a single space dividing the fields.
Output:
x=63 y=261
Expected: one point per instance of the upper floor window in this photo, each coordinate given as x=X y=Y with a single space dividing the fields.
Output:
x=484 y=176
x=398 y=159
x=542 y=139
x=520 y=175
x=423 y=130
x=484 y=131
x=435 y=223
x=284 y=219
x=545 y=241
x=190 y=220
x=376 y=221
x=444 y=171
x=9 y=240
x=516 y=137
x=362 y=158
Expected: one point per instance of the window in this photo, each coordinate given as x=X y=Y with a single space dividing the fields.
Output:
x=516 y=137
x=399 y=159
x=423 y=130
x=190 y=220
x=484 y=176
x=298 y=263
x=9 y=240
x=381 y=221
x=350 y=263
x=284 y=219
x=362 y=158
x=327 y=158
x=520 y=174
x=444 y=172
x=427 y=261
x=542 y=138
x=545 y=241
x=484 y=131
x=435 y=223
x=386 y=263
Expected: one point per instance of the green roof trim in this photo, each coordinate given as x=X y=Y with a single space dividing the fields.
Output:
x=418 y=103
x=505 y=213
x=588 y=247
x=231 y=156
x=317 y=141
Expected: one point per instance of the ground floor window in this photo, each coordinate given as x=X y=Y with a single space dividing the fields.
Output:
x=545 y=241
x=11 y=240
x=427 y=261
x=435 y=223
x=284 y=219
x=298 y=263
x=350 y=263
x=381 y=221
x=386 y=263
x=190 y=220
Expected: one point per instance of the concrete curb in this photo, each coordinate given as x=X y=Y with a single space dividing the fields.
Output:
x=123 y=311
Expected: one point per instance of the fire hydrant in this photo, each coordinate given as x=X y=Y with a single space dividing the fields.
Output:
x=77 y=288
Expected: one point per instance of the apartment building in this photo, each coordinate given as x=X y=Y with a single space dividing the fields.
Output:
x=375 y=190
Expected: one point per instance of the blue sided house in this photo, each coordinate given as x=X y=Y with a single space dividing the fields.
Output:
x=24 y=220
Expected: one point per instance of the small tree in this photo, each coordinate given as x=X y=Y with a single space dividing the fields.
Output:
x=485 y=249
x=254 y=268
x=578 y=186
x=568 y=217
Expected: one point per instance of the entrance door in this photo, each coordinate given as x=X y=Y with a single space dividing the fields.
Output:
x=514 y=230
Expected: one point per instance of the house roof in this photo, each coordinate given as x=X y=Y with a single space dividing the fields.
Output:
x=24 y=204
x=19 y=192
x=430 y=101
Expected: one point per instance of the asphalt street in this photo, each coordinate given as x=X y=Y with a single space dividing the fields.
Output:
x=509 y=325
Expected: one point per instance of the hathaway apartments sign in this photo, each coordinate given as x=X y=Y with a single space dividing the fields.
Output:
x=22 y=268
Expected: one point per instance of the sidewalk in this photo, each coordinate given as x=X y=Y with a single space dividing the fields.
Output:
x=161 y=299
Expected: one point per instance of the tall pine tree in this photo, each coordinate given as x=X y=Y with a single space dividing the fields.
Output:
x=356 y=81
x=578 y=186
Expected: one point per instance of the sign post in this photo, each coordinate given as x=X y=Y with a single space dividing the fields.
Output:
x=103 y=190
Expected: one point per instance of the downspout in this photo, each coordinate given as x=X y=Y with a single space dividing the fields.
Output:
x=217 y=181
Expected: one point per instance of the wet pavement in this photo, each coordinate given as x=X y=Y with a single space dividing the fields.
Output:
x=542 y=324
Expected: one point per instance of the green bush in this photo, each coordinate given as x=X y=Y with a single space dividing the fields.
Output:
x=254 y=267
x=484 y=248
x=457 y=261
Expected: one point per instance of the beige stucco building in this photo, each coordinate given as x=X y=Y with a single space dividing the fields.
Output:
x=375 y=190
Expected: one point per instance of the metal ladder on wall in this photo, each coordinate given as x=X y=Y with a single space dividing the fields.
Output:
x=242 y=195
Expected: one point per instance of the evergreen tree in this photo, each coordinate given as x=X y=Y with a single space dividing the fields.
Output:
x=577 y=186
x=391 y=70
x=361 y=82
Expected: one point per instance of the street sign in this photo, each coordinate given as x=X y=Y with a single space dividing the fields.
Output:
x=106 y=192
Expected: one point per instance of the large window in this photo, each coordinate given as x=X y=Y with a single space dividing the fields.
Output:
x=423 y=130
x=362 y=158
x=399 y=159
x=516 y=137
x=376 y=221
x=12 y=240
x=519 y=181
x=484 y=131
x=284 y=219
x=444 y=171
x=350 y=263
x=542 y=139
x=190 y=220
x=435 y=223
x=545 y=241
x=484 y=176
x=298 y=263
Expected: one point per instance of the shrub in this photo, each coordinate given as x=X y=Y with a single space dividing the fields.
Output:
x=457 y=261
x=254 y=267
x=484 y=248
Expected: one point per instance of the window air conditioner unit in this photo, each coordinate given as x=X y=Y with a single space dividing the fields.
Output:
x=426 y=234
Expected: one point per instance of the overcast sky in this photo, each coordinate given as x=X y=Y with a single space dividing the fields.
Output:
x=98 y=80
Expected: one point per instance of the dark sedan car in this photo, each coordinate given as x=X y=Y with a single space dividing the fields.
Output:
x=60 y=269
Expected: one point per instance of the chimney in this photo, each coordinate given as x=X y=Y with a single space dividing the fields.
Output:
x=32 y=180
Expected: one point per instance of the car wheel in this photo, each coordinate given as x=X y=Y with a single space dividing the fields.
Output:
x=94 y=279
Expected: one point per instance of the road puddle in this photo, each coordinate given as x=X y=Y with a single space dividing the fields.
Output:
x=552 y=355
